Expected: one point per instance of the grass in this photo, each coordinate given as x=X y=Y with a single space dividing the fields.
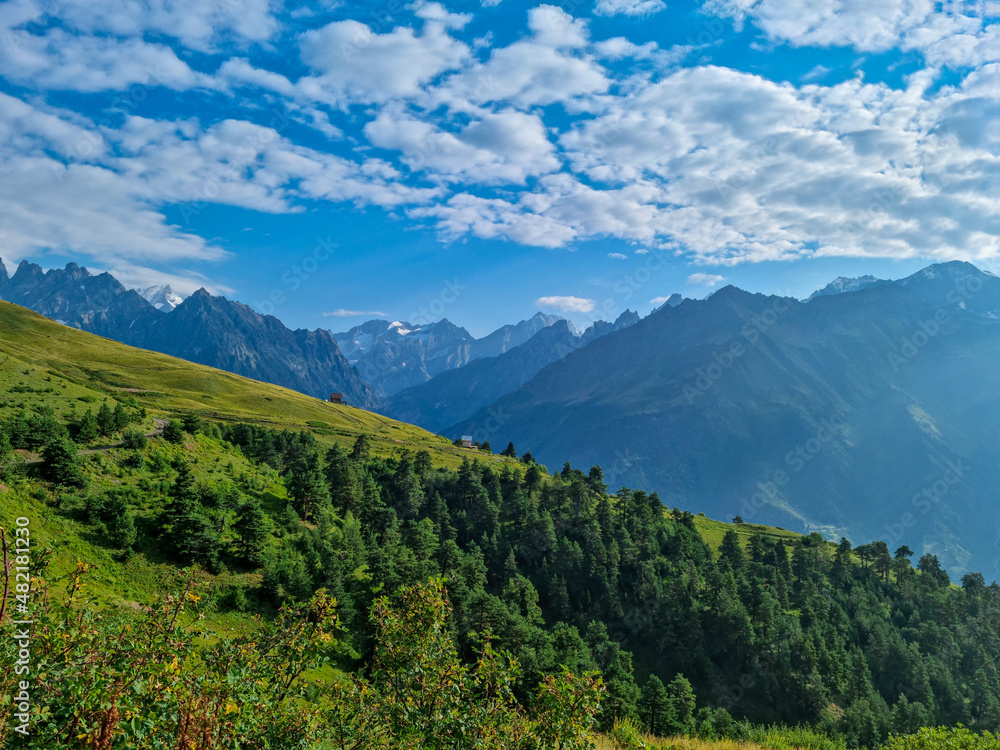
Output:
x=683 y=743
x=712 y=531
x=71 y=370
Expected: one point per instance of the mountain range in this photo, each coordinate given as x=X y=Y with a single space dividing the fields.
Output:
x=393 y=356
x=457 y=394
x=872 y=413
x=204 y=329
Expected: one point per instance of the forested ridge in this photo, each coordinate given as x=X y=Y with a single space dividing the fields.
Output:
x=857 y=642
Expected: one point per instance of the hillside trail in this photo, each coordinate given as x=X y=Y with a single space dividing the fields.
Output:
x=157 y=431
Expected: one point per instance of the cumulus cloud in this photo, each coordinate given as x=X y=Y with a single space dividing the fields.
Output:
x=629 y=7
x=957 y=34
x=567 y=304
x=544 y=141
x=504 y=147
x=704 y=279
x=354 y=62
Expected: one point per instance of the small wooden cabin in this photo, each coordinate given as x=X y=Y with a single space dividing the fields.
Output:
x=336 y=398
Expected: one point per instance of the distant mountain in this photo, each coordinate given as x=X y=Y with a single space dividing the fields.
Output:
x=842 y=284
x=161 y=296
x=72 y=295
x=231 y=336
x=671 y=300
x=509 y=336
x=204 y=329
x=873 y=414
x=398 y=355
x=455 y=395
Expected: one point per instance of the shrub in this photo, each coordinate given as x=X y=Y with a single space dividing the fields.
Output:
x=60 y=463
x=173 y=432
x=627 y=735
x=941 y=738
x=134 y=440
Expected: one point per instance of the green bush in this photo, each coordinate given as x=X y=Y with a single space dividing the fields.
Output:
x=942 y=738
x=134 y=440
x=173 y=432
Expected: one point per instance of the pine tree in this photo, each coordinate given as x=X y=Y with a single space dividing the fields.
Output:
x=191 y=535
x=509 y=451
x=87 y=428
x=252 y=527
x=105 y=419
x=681 y=699
x=654 y=706
x=342 y=479
x=307 y=486
x=192 y=423
x=173 y=432
x=118 y=520
x=60 y=463
x=121 y=418
x=732 y=552
x=362 y=449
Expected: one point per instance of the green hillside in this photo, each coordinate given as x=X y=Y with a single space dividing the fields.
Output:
x=210 y=569
x=65 y=368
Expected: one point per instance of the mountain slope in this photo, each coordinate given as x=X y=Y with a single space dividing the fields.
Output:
x=843 y=284
x=458 y=394
x=398 y=355
x=838 y=415
x=94 y=368
x=228 y=335
x=208 y=330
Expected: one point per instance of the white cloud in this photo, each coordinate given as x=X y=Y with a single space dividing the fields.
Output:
x=98 y=46
x=356 y=63
x=567 y=304
x=618 y=256
x=705 y=279
x=505 y=147
x=65 y=61
x=954 y=33
x=198 y=26
x=629 y=7
x=355 y=314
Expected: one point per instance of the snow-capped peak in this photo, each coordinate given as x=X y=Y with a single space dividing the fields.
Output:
x=161 y=296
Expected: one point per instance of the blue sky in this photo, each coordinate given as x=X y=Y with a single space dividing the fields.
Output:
x=336 y=161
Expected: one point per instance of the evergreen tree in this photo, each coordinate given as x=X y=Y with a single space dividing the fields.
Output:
x=192 y=423
x=118 y=520
x=362 y=449
x=105 y=419
x=342 y=479
x=173 y=432
x=307 y=486
x=654 y=707
x=121 y=418
x=87 y=428
x=60 y=464
x=681 y=699
x=190 y=533
x=509 y=451
x=252 y=528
